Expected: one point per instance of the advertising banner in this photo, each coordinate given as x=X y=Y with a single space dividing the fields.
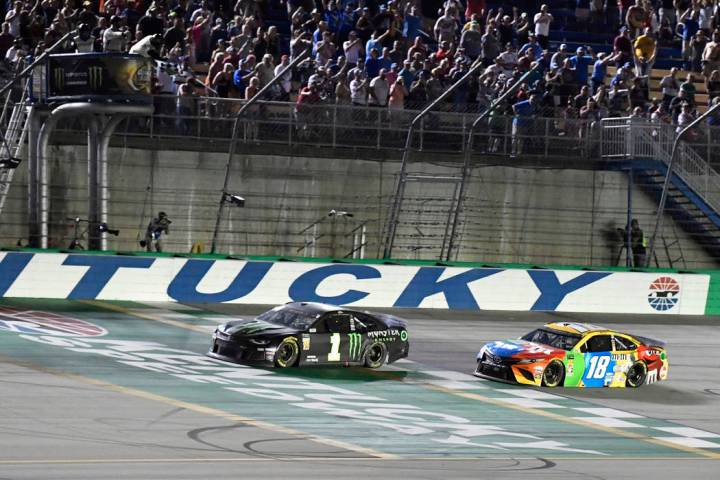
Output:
x=147 y=279
x=90 y=75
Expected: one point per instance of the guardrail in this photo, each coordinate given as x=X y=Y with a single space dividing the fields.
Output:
x=210 y=119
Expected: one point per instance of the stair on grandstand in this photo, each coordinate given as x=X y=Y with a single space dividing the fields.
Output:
x=690 y=210
x=11 y=145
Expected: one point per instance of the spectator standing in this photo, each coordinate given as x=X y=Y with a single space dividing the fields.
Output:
x=644 y=53
x=688 y=86
x=285 y=81
x=353 y=49
x=669 y=87
x=379 y=90
x=697 y=45
x=542 y=20
x=471 y=41
x=622 y=46
x=711 y=53
x=115 y=38
x=445 y=27
x=358 y=90
x=6 y=39
x=581 y=62
x=689 y=23
x=412 y=22
x=84 y=42
x=636 y=18
x=599 y=71
x=490 y=45
x=522 y=121
x=12 y=17
x=151 y=23
x=559 y=57
x=712 y=85
x=154 y=231
x=175 y=35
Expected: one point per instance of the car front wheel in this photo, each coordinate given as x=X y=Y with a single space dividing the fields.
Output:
x=553 y=374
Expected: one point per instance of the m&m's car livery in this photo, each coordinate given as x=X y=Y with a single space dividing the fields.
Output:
x=574 y=355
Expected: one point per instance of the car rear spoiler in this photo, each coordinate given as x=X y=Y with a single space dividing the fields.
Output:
x=651 y=342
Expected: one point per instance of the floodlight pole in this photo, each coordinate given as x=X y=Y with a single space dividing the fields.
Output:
x=397 y=201
x=235 y=132
x=666 y=186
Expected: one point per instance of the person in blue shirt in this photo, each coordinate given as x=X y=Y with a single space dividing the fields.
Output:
x=687 y=27
x=373 y=64
x=580 y=62
x=406 y=73
x=348 y=17
x=599 y=71
x=331 y=15
x=376 y=42
x=412 y=23
x=522 y=123
x=532 y=43
x=385 y=60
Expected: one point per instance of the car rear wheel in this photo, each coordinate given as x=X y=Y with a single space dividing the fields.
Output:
x=375 y=355
x=287 y=353
x=636 y=375
x=553 y=374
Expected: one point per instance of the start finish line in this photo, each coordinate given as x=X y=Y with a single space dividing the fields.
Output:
x=148 y=279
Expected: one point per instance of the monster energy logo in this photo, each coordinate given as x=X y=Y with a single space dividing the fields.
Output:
x=355 y=340
x=95 y=77
x=59 y=78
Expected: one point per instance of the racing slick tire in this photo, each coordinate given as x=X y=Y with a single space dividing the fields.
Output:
x=287 y=353
x=375 y=355
x=553 y=374
x=636 y=375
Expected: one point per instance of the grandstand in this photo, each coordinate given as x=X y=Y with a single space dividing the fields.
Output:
x=352 y=109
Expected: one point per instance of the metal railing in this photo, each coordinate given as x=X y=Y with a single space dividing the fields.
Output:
x=209 y=120
x=628 y=138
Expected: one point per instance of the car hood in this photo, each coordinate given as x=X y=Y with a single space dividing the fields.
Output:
x=254 y=327
x=520 y=349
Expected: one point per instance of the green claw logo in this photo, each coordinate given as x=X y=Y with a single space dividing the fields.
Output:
x=355 y=340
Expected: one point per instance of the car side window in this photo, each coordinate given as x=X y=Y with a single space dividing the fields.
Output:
x=622 y=343
x=338 y=323
x=599 y=343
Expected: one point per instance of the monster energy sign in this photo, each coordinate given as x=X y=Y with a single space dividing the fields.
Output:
x=355 y=341
x=98 y=76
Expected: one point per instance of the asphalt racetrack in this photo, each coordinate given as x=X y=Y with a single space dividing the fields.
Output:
x=123 y=390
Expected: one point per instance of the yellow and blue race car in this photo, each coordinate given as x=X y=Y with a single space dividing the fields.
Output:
x=574 y=355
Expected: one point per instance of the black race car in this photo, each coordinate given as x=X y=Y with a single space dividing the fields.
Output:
x=303 y=333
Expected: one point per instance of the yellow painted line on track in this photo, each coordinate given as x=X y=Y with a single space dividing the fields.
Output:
x=576 y=421
x=459 y=393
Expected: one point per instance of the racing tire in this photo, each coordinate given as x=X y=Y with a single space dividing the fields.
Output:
x=375 y=355
x=553 y=374
x=636 y=375
x=287 y=353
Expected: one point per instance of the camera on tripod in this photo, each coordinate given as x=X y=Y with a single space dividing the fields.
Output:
x=103 y=228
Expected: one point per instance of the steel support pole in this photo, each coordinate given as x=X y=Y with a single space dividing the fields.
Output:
x=104 y=193
x=93 y=184
x=666 y=185
x=467 y=154
x=397 y=201
x=41 y=214
x=235 y=131
x=628 y=231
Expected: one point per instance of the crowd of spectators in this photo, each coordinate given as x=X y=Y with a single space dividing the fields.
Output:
x=398 y=54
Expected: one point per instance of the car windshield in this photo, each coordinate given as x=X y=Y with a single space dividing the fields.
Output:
x=553 y=338
x=288 y=317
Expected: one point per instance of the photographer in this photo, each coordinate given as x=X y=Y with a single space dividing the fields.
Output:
x=155 y=229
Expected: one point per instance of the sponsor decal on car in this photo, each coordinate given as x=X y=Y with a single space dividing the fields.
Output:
x=355 y=342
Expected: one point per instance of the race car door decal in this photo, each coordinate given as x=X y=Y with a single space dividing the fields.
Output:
x=599 y=364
